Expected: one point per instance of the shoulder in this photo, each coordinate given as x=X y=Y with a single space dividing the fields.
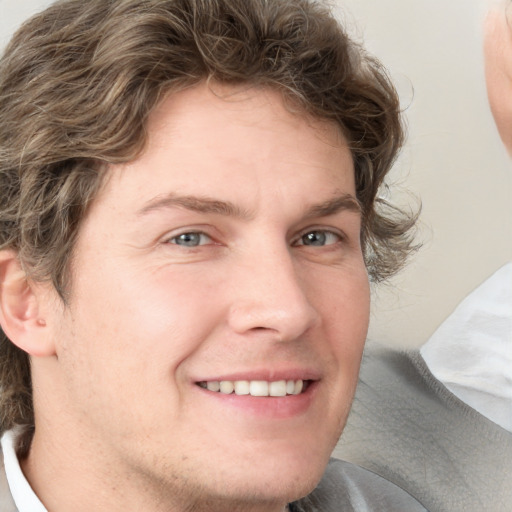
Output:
x=395 y=383
x=408 y=427
x=347 y=487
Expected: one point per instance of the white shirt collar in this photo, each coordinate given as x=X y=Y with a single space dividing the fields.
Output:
x=23 y=495
x=471 y=352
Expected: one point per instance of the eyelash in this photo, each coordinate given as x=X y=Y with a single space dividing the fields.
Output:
x=315 y=235
x=200 y=234
x=325 y=233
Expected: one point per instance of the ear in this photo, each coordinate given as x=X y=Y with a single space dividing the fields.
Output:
x=21 y=315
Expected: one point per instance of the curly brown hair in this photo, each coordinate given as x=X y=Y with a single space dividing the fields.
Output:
x=79 y=80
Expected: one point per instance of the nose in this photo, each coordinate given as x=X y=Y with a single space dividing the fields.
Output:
x=271 y=297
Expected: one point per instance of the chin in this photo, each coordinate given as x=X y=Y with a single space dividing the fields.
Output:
x=279 y=491
x=284 y=478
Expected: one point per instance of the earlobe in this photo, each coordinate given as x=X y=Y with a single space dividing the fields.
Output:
x=21 y=317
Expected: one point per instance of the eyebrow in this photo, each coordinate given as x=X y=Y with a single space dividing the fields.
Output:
x=200 y=204
x=204 y=204
x=345 y=202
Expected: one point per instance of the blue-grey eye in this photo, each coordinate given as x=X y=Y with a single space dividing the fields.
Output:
x=192 y=239
x=319 y=238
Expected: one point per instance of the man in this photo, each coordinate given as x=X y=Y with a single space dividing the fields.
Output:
x=438 y=421
x=188 y=218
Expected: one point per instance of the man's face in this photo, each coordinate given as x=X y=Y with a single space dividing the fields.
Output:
x=227 y=255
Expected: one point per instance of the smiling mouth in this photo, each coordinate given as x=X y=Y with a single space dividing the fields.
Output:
x=259 y=388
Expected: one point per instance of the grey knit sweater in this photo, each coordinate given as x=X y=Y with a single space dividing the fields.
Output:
x=406 y=426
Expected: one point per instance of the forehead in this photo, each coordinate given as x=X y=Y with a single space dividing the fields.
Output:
x=209 y=103
x=213 y=130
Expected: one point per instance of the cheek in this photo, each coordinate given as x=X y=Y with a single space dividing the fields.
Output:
x=123 y=337
x=347 y=297
x=345 y=323
x=351 y=331
x=137 y=326
x=149 y=302
x=345 y=311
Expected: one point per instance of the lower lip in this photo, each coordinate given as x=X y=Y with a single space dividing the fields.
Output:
x=283 y=407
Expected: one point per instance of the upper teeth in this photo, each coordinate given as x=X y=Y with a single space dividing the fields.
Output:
x=255 y=387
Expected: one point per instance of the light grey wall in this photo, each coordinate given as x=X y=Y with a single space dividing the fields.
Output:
x=453 y=159
x=14 y=12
